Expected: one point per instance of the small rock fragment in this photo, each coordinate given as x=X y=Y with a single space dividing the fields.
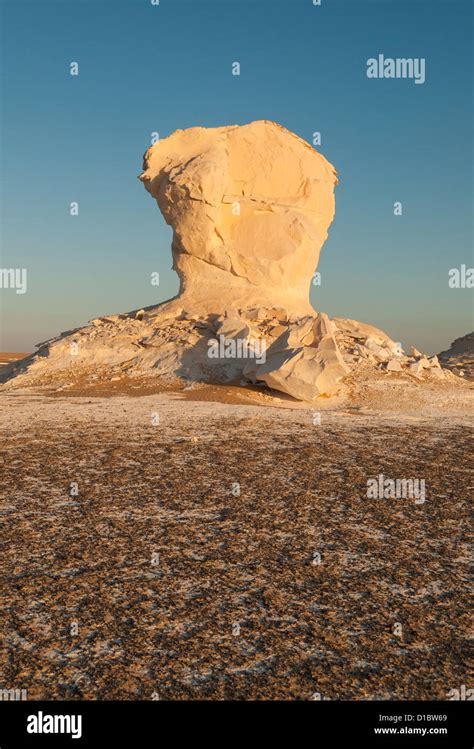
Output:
x=416 y=368
x=393 y=365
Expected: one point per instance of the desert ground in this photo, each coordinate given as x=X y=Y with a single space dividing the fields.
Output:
x=218 y=543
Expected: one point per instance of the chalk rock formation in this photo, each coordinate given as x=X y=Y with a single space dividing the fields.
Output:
x=250 y=207
x=304 y=361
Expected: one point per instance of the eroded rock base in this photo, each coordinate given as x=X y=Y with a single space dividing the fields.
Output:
x=304 y=357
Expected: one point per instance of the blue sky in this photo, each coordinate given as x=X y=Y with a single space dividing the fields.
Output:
x=145 y=68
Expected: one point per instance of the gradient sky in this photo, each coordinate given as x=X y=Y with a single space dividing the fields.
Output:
x=145 y=68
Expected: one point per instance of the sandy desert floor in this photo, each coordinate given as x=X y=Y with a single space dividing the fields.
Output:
x=157 y=578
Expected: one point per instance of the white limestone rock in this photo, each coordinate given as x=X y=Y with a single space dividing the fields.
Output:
x=250 y=207
x=393 y=365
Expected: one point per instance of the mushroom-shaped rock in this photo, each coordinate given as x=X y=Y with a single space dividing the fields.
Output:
x=250 y=207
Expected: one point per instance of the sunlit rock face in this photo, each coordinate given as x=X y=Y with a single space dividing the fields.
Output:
x=250 y=208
